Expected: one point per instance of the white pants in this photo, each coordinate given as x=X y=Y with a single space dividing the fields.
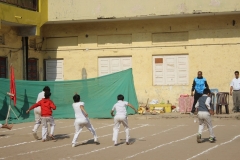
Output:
x=45 y=121
x=79 y=124
x=118 y=119
x=37 y=114
x=205 y=118
x=1 y=125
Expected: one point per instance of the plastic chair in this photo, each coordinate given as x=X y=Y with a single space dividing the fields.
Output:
x=213 y=101
x=222 y=99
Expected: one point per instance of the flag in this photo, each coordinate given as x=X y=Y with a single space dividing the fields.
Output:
x=12 y=85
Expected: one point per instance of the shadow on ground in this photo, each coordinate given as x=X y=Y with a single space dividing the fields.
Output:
x=203 y=140
x=91 y=141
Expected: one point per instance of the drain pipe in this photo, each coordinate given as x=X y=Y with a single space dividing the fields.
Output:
x=25 y=57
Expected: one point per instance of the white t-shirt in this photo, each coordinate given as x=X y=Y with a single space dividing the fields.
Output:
x=37 y=110
x=120 y=108
x=78 y=112
x=235 y=84
x=40 y=96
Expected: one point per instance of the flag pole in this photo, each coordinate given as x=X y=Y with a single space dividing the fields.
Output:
x=10 y=108
x=12 y=93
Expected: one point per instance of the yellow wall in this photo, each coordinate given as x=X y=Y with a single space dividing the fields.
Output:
x=9 y=29
x=91 y=10
x=12 y=49
x=28 y=17
x=213 y=47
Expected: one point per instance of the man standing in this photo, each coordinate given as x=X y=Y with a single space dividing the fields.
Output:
x=199 y=84
x=37 y=111
x=235 y=92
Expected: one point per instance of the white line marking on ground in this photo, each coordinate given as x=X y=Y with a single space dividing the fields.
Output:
x=87 y=130
x=164 y=131
x=14 y=129
x=67 y=126
x=30 y=152
x=17 y=144
x=5 y=137
x=145 y=151
x=96 y=150
x=104 y=148
x=73 y=127
x=103 y=123
x=38 y=140
x=214 y=147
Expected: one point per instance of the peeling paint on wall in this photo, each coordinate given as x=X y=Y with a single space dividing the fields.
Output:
x=215 y=3
x=125 y=9
x=182 y=8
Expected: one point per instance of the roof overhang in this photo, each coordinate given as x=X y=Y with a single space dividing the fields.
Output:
x=22 y=29
x=145 y=17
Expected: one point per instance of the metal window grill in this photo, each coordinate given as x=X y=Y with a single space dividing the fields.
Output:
x=1 y=39
x=26 y=4
x=32 y=43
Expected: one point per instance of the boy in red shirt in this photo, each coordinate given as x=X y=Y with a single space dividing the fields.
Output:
x=46 y=114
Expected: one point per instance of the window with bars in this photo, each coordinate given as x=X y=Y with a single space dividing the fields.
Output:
x=3 y=67
x=26 y=4
x=33 y=69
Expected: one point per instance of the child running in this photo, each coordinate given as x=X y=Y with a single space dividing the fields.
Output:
x=120 y=117
x=37 y=112
x=81 y=120
x=46 y=115
x=204 y=115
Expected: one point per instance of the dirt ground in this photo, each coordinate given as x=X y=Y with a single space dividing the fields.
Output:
x=165 y=139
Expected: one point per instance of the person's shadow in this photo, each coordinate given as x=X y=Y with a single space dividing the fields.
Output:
x=91 y=141
x=203 y=140
x=25 y=107
x=123 y=141
x=4 y=109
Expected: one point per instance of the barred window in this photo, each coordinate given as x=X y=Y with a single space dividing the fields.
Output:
x=3 y=67
x=33 y=69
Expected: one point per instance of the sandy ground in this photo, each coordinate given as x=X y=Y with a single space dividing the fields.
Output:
x=165 y=139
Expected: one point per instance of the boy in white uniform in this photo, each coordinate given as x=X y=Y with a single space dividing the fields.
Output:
x=6 y=126
x=204 y=115
x=37 y=111
x=81 y=120
x=120 y=117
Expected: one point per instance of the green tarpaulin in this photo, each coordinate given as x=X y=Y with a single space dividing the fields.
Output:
x=99 y=95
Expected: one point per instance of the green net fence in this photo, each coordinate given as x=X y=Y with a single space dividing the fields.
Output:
x=99 y=95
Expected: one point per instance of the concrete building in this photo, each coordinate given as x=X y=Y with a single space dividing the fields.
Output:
x=165 y=43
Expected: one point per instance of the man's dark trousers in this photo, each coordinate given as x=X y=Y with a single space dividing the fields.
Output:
x=196 y=97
